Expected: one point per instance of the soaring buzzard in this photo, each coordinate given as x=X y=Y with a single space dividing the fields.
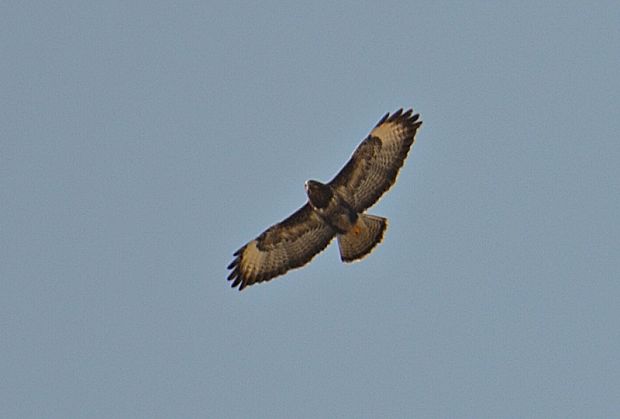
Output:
x=333 y=209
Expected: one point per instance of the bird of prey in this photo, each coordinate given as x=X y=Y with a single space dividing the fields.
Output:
x=334 y=209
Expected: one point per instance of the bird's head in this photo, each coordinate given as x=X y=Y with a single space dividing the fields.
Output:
x=319 y=194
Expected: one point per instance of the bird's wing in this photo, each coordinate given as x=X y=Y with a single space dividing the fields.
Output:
x=374 y=165
x=287 y=245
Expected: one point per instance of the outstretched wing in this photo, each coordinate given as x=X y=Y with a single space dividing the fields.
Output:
x=289 y=244
x=374 y=165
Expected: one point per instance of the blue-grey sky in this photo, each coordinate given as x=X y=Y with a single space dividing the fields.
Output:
x=141 y=143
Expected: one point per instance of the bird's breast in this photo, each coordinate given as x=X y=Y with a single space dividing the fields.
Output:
x=338 y=214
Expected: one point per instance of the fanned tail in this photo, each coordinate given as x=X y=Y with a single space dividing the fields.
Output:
x=362 y=238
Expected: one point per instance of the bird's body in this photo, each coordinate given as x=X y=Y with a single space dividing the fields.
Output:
x=335 y=209
x=331 y=206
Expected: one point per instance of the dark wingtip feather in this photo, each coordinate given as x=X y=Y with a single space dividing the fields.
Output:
x=409 y=118
x=400 y=115
x=234 y=273
x=233 y=263
x=382 y=120
x=237 y=281
x=396 y=115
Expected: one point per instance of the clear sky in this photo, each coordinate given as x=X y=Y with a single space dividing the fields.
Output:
x=141 y=143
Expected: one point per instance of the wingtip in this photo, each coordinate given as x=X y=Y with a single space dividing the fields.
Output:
x=236 y=280
x=236 y=276
x=238 y=251
x=410 y=118
x=382 y=120
x=233 y=263
x=401 y=115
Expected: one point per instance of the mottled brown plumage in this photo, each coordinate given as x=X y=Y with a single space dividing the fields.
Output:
x=333 y=209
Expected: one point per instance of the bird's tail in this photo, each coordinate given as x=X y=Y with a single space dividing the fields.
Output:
x=362 y=238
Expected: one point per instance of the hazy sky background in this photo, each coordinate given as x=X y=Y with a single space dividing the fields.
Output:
x=141 y=143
